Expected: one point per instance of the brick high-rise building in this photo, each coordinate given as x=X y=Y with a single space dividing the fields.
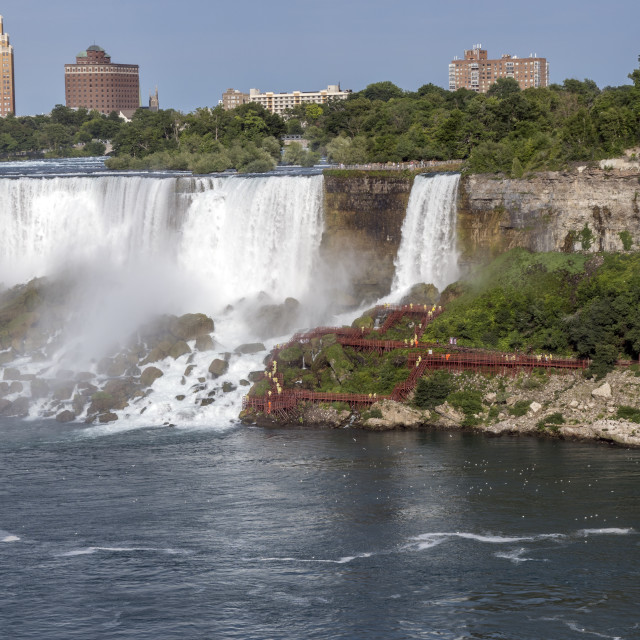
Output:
x=94 y=82
x=7 y=88
x=477 y=73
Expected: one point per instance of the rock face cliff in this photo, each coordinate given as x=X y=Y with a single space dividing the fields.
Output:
x=363 y=223
x=588 y=210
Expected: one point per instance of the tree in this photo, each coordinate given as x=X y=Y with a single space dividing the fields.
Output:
x=503 y=87
x=384 y=91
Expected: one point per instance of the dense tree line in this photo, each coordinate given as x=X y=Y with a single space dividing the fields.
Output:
x=506 y=130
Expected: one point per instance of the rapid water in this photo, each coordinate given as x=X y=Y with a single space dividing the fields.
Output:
x=427 y=250
x=322 y=535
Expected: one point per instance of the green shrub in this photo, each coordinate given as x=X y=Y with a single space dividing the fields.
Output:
x=627 y=240
x=551 y=422
x=469 y=401
x=433 y=390
x=372 y=413
x=344 y=406
x=628 y=413
x=520 y=408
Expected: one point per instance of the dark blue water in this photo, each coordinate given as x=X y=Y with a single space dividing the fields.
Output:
x=300 y=534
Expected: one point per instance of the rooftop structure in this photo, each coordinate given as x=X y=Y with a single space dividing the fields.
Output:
x=477 y=72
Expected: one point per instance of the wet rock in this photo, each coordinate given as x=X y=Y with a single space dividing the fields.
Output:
x=63 y=390
x=256 y=376
x=180 y=348
x=421 y=294
x=11 y=373
x=4 y=404
x=4 y=389
x=250 y=348
x=218 y=368
x=79 y=402
x=66 y=416
x=149 y=376
x=205 y=343
x=191 y=325
x=244 y=383
x=394 y=415
x=180 y=398
x=86 y=388
x=189 y=370
x=107 y=417
x=39 y=388
x=205 y=402
x=16 y=387
x=228 y=387
x=600 y=392
x=64 y=374
x=7 y=356
x=156 y=354
x=18 y=408
x=275 y=319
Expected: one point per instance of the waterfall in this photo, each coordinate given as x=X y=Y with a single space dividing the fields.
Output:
x=234 y=236
x=427 y=251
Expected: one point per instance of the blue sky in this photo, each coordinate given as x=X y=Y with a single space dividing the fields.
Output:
x=194 y=49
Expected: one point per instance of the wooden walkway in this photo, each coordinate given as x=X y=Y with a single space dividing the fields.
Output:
x=284 y=403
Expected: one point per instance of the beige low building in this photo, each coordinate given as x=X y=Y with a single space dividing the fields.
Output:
x=280 y=102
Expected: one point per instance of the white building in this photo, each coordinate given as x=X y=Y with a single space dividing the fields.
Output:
x=280 y=102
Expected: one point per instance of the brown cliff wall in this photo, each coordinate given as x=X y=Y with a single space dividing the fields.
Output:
x=548 y=212
x=363 y=222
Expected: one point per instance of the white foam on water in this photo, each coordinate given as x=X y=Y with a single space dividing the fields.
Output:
x=427 y=251
x=84 y=551
x=516 y=556
x=608 y=531
x=10 y=538
x=343 y=560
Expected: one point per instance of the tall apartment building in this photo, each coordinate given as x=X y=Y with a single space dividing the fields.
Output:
x=477 y=73
x=94 y=82
x=7 y=88
x=279 y=102
x=233 y=98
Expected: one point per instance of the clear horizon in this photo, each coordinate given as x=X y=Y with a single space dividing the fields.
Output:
x=195 y=54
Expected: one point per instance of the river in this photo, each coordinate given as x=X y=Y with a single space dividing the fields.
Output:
x=250 y=533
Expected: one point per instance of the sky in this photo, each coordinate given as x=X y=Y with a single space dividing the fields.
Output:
x=195 y=49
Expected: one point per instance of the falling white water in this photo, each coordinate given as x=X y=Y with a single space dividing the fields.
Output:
x=427 y=251
x=245 y=236
x=49 y=224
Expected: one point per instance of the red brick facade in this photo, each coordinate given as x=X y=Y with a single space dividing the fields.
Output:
x=94 y=82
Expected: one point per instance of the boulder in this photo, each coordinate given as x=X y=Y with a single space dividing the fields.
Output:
x=63 y=390
x=64 y=374
x=18 y=408
x=149 y=376
x=275 y=319
x=490 y=398
x=218 y=368
x=205 y=402
x=291 y=356
x=6 y=357
x=11 y=373
x=535 y=407
x=66 y=416
x=189 y=370
x=107 y=417
x=600 y=392
x=191 y=325
x=228 y=387
x=395 y=415
x=180 y=348
x=205 y=343
x=84 y=376
x=421 y=294
x=244 y=383
x=256 y=376
x=250 y=348
x=4 y=389
x=180 y=398
x=16 y=387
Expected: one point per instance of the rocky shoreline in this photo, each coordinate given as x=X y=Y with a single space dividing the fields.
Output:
x=589 y=410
